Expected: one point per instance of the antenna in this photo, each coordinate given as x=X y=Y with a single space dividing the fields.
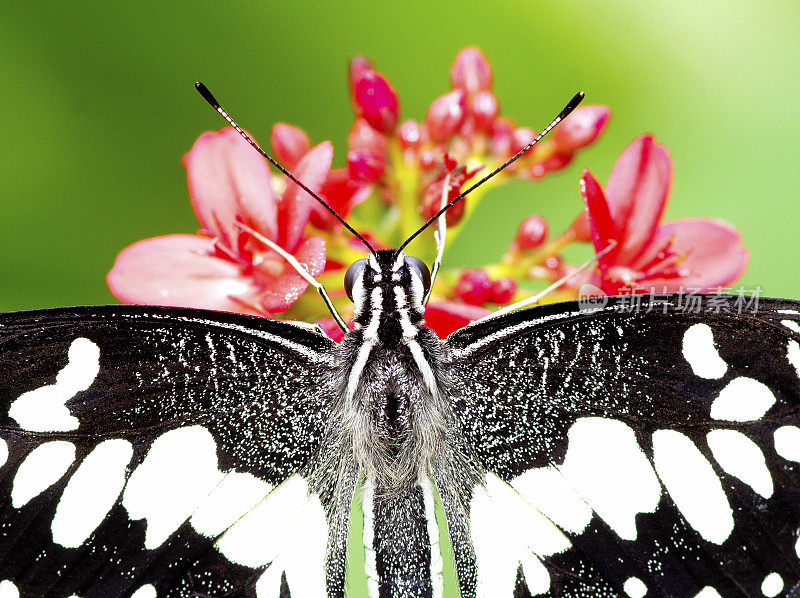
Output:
x=573 y=103
x=208 y=97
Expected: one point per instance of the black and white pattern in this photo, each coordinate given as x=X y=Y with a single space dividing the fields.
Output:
x=162 y=452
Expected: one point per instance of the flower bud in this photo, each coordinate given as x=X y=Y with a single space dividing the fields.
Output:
x=556 y=264
x=581 y=128
x=358 y=64
x=550 y=164
x=473 y=287
x=432 y=203
x=363 y=137
x=289 y=144
x=484 y=108
x=521 y=137
x=411 y=135
x=581 y=228
x=376 y=101
x=503 y=290
x=532 y=232
x=445 y=115
x=428 y=159
x=365 y=166
x=471 y=71
x=502 y=129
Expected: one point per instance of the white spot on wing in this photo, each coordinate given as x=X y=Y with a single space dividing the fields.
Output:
x=235 y=495
x=3 y=452
x=791 y=324
x=178 y=473
x=289 y=530
x=44 y=409
x=634 y=587
x=772 y=585
x=700 y=352
x=547 y=490
x=708 y=592
x=741 y=458
x=91 y=492
x=743 y=399
x=793 y=355
x=8 y=589
x=146 y=591
x=692 y=484
x=269 y=584
x=42 y=468
x=787 y=442
x=499 y=551
x=535 y=531
x=611 y=473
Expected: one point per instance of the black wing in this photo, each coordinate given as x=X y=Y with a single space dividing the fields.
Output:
x=632 y=450
x=132 y=441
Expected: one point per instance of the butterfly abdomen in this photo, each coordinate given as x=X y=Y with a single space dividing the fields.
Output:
x=391 y=525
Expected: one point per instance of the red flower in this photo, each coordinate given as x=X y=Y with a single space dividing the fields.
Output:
x=444 y=317
x=696 y=253
x=223 y=267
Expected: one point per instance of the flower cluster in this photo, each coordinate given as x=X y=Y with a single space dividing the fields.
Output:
x=392 y=183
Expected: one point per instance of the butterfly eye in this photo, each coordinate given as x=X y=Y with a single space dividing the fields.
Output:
x=418 y=267
x=354 y=272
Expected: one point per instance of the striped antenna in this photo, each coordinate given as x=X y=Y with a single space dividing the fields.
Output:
x=573 y=103
x=208 y=97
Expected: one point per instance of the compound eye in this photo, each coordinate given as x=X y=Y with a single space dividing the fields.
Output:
x=353 y=274
x=418 y=268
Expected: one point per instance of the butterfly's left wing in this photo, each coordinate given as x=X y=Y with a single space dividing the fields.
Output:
x=630 y=450
x=160 y=450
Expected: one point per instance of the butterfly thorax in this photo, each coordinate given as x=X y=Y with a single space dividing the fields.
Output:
x=391 y=413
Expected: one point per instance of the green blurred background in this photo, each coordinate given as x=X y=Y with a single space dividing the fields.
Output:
x=99 y=106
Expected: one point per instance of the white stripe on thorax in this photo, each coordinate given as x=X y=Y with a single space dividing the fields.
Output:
x=423 y=365
x=370 y=337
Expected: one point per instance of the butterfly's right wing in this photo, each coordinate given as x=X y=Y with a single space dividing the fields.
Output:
x=626 y=450
x=163 y=450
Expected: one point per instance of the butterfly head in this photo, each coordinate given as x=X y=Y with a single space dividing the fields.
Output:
x=389 y=283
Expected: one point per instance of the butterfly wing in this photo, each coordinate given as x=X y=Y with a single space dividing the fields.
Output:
x=157 y=450
x=631 y=450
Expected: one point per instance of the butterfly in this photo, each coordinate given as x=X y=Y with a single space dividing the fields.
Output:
x=573 y=449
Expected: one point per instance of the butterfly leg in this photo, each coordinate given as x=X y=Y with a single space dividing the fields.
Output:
x=440 y=235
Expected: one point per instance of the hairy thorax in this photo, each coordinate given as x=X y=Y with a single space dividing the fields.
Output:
x=394 y=422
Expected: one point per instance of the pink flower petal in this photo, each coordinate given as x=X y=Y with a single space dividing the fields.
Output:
x=289 y=143
x=714 y=254
x=179 y=270
x=343 y=194
x=295 y=205
x=603 y=230
x=280 y=292
x=229 y=181
x=637 y=194
x=444 y=317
